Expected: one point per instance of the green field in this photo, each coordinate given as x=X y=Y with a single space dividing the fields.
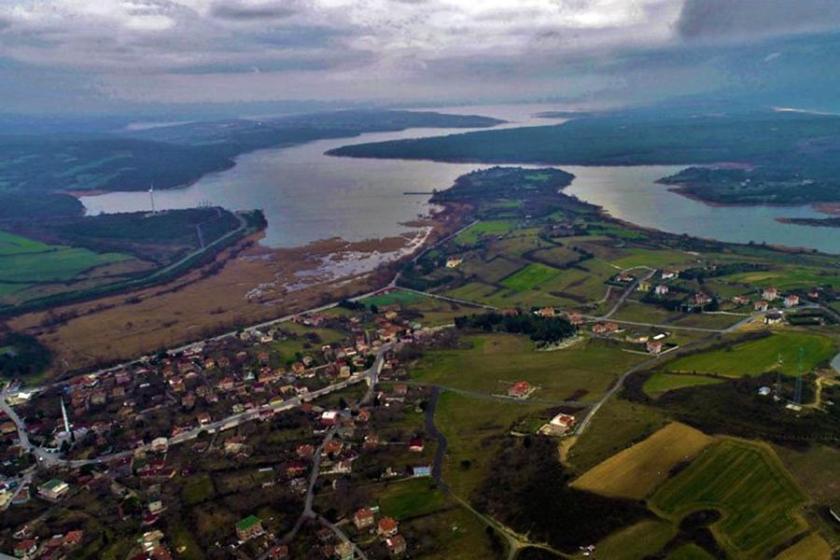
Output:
x=55 y=265
x=11 y=244
x=690 y=552
x=474 y=233
x=494 y=361
x=410 y=498
x=637 y=541
x=396 y=297
x=661 y=382
x=531 y=277
x=748 y=485
x=758 y=356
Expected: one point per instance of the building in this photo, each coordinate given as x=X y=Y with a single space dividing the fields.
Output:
x=344 y=551
x=661 y=290
x=363 y=518
x=53 y=490
x=396 y=545
x=761 y=305
x=769 y=294
x=387 y=527
x=791 y=300
x=546 y=312
x=605 y=328
x=454 y=262
x=558 y=425
x=669 y=274
x=654 y=346
x=520 y=390
x=774 y=317
x=25 y=548
x=415 y=445
x=248 y=528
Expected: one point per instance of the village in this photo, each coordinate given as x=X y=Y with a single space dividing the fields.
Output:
x=280 y=439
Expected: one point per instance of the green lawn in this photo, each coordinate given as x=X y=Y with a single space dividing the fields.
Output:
x=758 y=356
x=758 y=500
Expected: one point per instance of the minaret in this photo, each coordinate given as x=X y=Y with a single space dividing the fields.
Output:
x=67 y=427
x=152 y=196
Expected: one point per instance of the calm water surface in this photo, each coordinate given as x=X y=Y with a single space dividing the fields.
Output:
x=308 y=196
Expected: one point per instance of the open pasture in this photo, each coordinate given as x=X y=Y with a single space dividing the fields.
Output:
x=495 y=361
x=758 y=356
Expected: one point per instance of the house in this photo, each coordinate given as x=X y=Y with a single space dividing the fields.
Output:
x=329 y=418
x=363 y=518
x=546 y=312
x=791 y=300
x=774 y=318
x=305 y=451
x=25 y=548
x=279 y=552
x=160 y=445
x=558 y=425
x=761 y=305
x=701 y=299
x=454 y=262
x=576 y=319
x=396 y=545
x=769 y=294
x=203 y=419
x=53 y=490
x=605 y=328
x=344 y=551
x=764 y=391
x=248 y=528
x=387 y=527
x=669 y=274
x=416 y=444
x=661 y=290
x=654 y=346
x=740 y=300
x=520 y=390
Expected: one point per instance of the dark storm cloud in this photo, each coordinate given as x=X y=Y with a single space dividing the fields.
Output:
x=743 y=19
x=232 y=10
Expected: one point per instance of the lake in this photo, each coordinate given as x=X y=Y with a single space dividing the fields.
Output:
x=307 y=196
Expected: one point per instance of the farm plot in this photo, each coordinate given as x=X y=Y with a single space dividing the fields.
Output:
x=531 y=277
x=637 y=471
x=758 y=356
x=748 y=485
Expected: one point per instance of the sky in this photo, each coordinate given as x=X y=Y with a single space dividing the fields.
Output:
x=103 y=55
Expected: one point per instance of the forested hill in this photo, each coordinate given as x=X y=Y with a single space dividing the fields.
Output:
x=787 y=157
x=172 y=156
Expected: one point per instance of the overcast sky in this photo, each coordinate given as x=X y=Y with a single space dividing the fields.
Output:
x=64 y=54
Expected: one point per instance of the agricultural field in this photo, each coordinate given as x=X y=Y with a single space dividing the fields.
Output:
x=812 y=547
x=637 y=471
x=531 y=277
x=759 y=502
x=637 y=541
x=493 y=362
x=476 y=232
x=762 y=355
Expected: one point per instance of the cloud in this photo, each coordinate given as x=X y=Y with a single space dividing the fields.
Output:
x=745 y=19
x=248 y=11
x=236 y=50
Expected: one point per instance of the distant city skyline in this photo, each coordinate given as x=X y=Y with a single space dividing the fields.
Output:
x=65 y=55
